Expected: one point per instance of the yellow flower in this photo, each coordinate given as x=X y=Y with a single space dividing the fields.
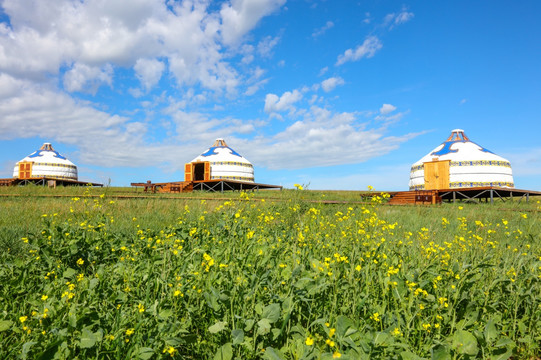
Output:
x=130 y=331
x=44 y=297
x=309 y=341
x=331 y=332
x=22 y=319
x=336 y=355
x=329 y=342
x=80 y=262
x=141 y=308
x=170 y=350
x=375 y=317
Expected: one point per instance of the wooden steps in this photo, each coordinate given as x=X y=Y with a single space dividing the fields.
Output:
x=7 y=182
x=421 y=197
x=176 y=187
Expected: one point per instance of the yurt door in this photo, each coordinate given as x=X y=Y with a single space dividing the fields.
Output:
x=436 y=175
x=25 y=170
x=188 y=173
x=201 y=171
x=207 y=170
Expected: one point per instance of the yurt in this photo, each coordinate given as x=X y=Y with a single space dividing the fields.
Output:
x=219 y=162
x=460 y=163
x=45 y=163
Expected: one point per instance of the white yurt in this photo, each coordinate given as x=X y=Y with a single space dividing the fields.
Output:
x=45 y=162
x=219 y=162
x=460 y=163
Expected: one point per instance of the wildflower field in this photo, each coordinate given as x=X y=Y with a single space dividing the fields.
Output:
x=267 y=276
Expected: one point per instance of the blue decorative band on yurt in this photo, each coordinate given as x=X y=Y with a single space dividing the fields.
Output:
x=39 y=153
x=235 y=163
x=57 y=177
x=481 y=163
x=241 y=178
x=56 y=165
x=468 y=184
x=212 y=151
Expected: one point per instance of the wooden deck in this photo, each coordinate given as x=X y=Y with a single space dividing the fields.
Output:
x=45 y=181
x=207 y=185
x=474 y=194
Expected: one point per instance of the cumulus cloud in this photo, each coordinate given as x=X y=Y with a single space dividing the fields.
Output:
x=273 y=103
x=386 y=109
x=330 y=83
x=84 y=78
x=241 y=16
x=366 y=50
x=188 y=36
x=149 y=72
x=323 y=138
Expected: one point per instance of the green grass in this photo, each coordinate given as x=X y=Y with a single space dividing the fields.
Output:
x=265 y=275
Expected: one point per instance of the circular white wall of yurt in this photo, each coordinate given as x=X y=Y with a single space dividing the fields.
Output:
x=226 y=163
x=45 y=162
x=460 y=163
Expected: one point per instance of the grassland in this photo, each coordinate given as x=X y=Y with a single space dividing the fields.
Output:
x=97 y=273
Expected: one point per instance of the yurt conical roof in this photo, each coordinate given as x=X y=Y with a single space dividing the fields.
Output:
x=45 y=162
x=226 y=163
x=464 y=163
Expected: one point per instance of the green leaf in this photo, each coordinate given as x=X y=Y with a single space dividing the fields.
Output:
x=164 y=314
x=465 y=343
x=505 y=342
x=383 y=339
x=342 y=325
x=5 y=325
x=271 y=312
x=263 y=326
x=216 y=328
x=26 y=348
x=225 y=352
x=491 y=333
x=237 y=336
x=88 y=339
x=273 y=354
x=408 y=355
x=145 y=353
x=69 y=273
x=441 y=352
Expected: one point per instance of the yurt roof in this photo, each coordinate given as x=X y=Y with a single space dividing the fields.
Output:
x=458 y=147
x=47 y=154
x=220 y=151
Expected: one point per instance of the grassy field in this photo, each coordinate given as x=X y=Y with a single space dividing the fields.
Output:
x=100 y=273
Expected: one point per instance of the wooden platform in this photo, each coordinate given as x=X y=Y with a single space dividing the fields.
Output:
x=45 y=181
x=208 y=185
x=474 y=194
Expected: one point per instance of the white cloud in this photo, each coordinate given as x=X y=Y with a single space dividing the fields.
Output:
x=392 y=20
x=149 y=72
x=265 y=46
x=330 y=83
x=188 y=36
x=386 y=109
x=241 y=16
x=368 y=49
x=322 y=30
x=323 y=138
x=273 y=103
x=84 y=78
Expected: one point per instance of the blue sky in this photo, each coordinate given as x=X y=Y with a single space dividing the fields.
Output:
x=334 y=94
